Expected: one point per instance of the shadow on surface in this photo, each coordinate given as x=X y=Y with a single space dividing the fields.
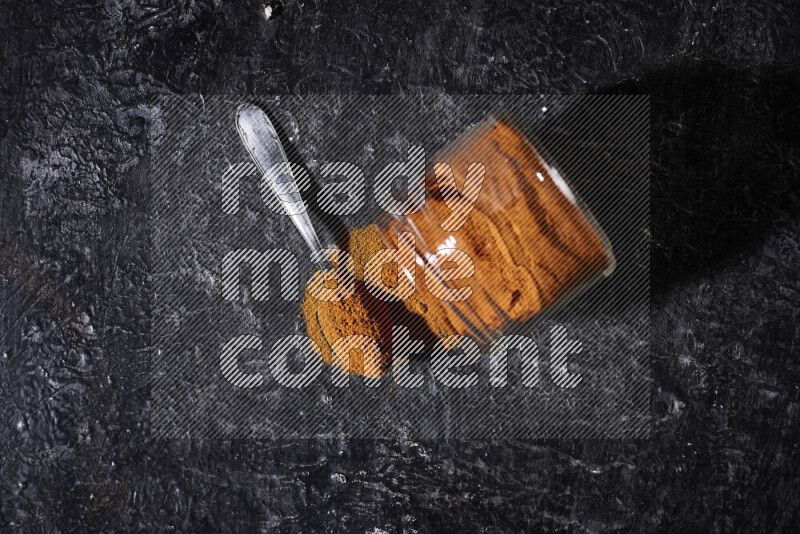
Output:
x=725 y=162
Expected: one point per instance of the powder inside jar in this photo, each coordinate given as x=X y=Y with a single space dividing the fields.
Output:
x=529 y=246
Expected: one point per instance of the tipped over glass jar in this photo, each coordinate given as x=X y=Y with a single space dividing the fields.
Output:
x=510 y=242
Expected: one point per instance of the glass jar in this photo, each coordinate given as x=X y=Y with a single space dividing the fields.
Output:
x=526 y=246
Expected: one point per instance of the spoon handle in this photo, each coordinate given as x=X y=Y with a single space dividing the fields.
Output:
x=261 y=141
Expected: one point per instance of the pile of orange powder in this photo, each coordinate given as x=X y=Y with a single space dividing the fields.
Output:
x=362 y=314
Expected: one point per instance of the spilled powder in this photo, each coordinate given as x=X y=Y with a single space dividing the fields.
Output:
x=361 y=314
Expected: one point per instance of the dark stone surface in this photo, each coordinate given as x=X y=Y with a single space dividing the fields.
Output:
x=76 y=88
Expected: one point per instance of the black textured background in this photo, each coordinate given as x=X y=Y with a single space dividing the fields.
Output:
x=76 y=92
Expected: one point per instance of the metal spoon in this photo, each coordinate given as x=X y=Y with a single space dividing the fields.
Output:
x=261 y=140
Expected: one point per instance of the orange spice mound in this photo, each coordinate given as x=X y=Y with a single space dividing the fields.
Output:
x=359 y=315
x=363 y=314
